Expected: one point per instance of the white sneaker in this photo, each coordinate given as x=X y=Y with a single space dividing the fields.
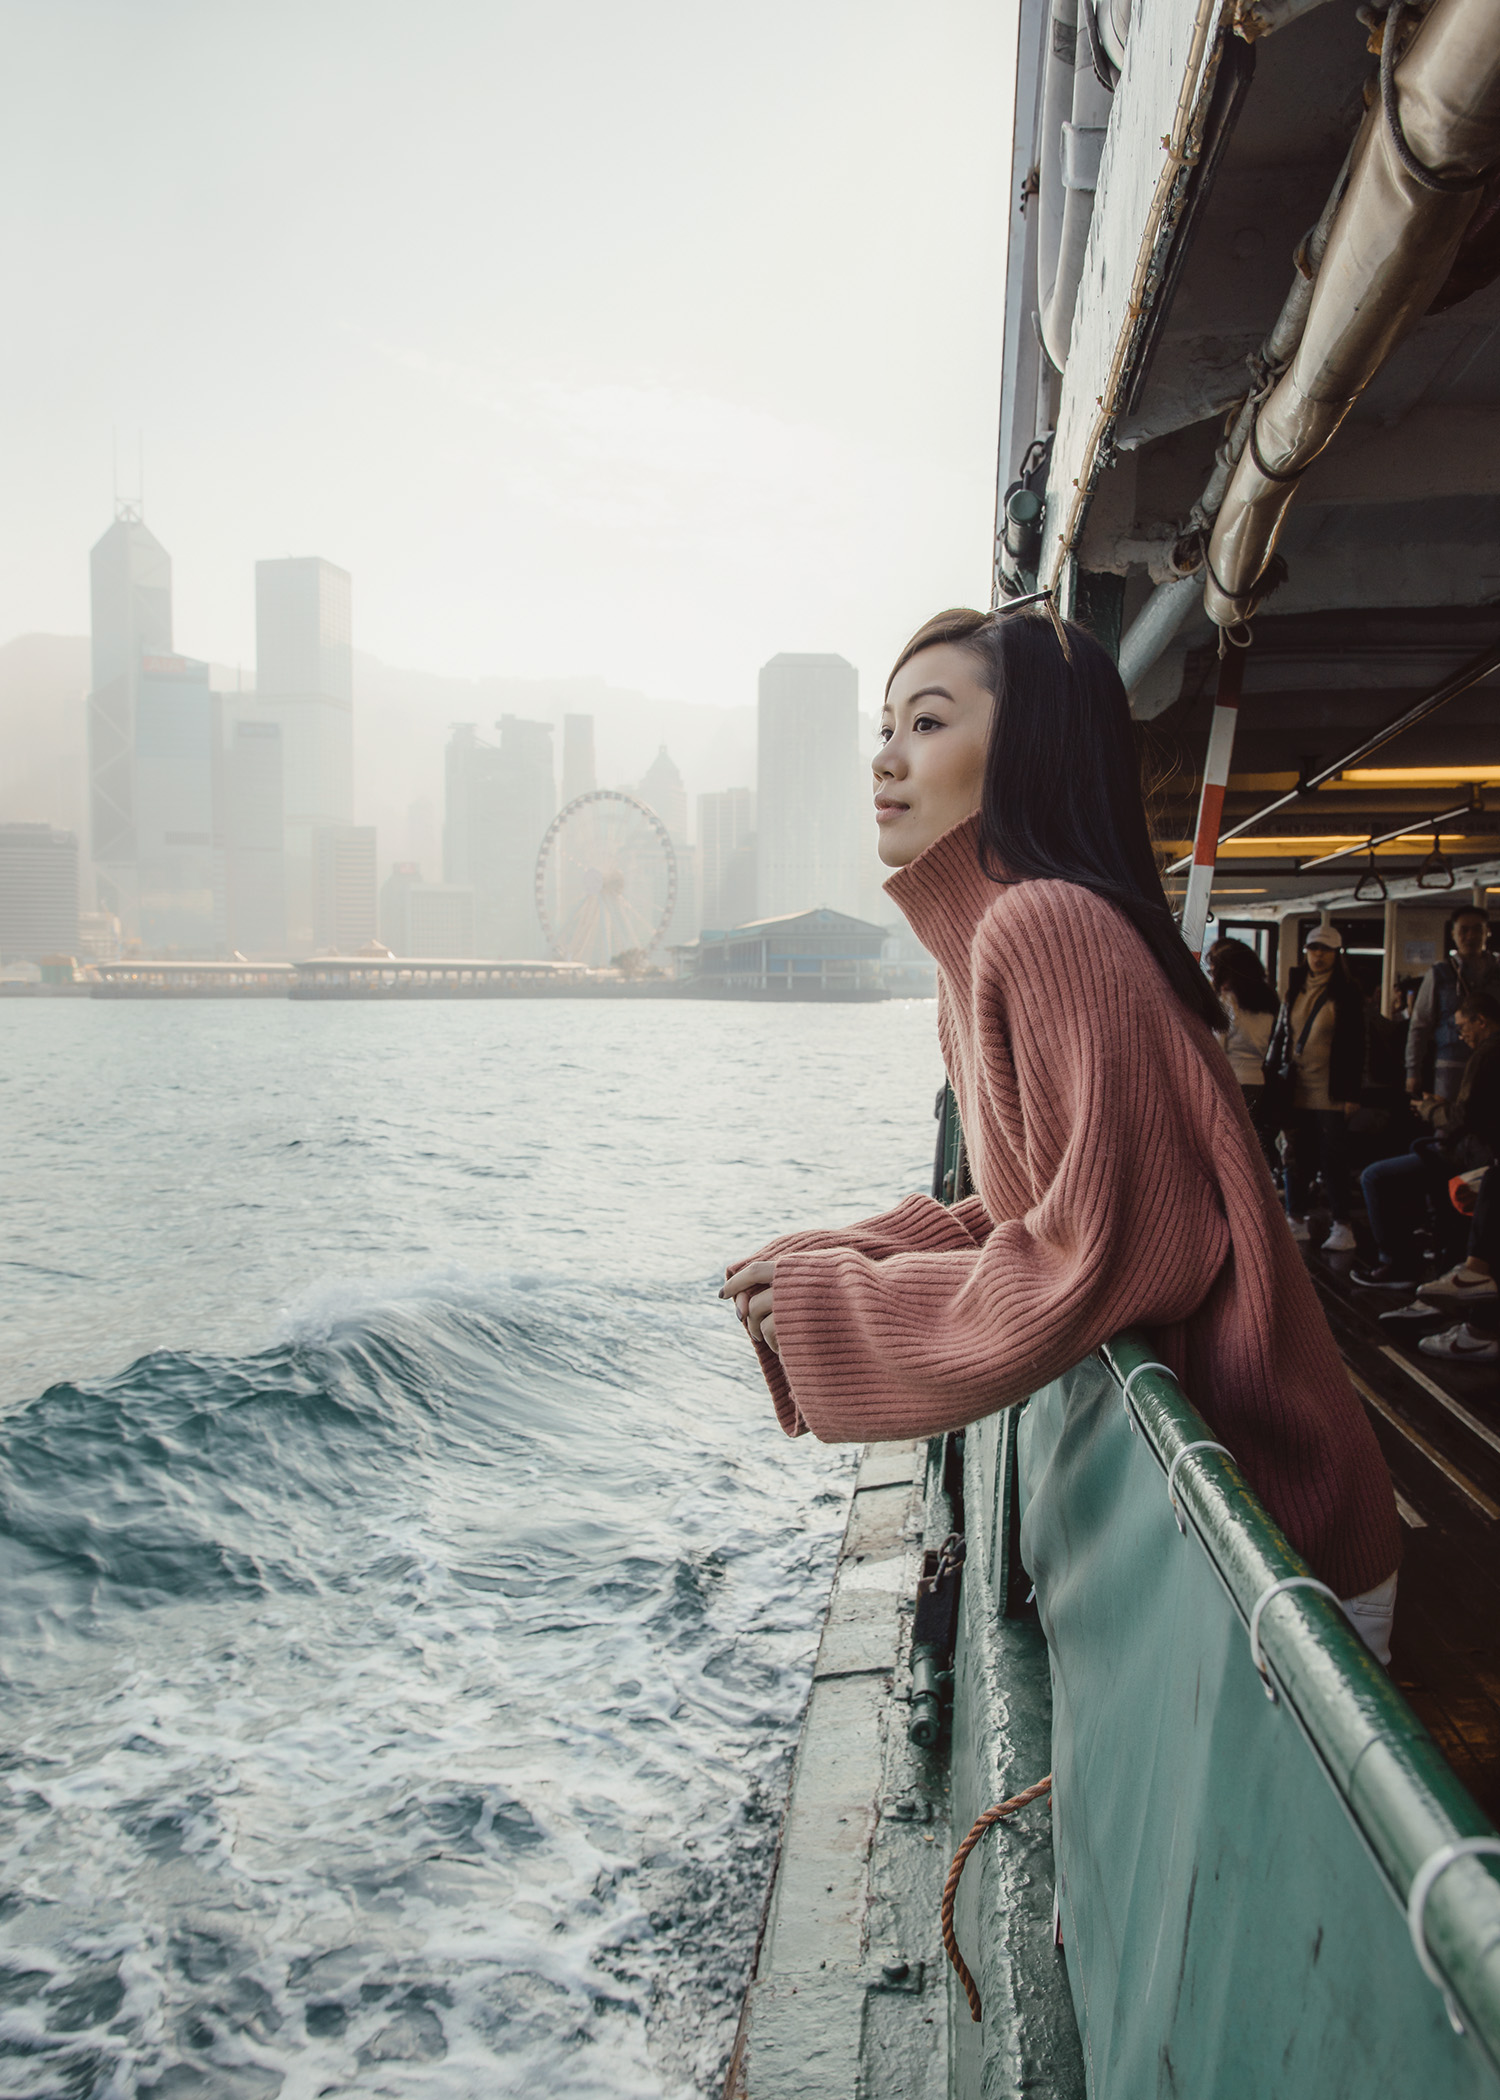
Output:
x=1455 y=1288
x=1461 y=1345
x=1340 y=1241
x=1298 y=1227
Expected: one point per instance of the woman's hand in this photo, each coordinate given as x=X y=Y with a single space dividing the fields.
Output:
x=749 y=1284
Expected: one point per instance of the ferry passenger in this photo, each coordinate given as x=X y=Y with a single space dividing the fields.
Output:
x=1434 y=1030
x=1402 y=1193
x=1238 y=976
x=1119 y=1181
x=1319 y=1043
x=1471 y=1283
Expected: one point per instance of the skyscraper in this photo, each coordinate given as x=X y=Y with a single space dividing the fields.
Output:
x=343 y=887
x=38 y=892
x=578 y=772
x=304 y=678
x=726 y=850
x=500 y=800
x=180 y=895
x=254 y=838
x=662 y=790
x=429 y=919
x=807 y=802
x=130 y=593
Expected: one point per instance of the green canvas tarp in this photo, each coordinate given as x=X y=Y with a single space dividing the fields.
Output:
x=1232 y=1871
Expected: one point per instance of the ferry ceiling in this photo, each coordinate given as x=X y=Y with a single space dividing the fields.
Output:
x=1250 y=424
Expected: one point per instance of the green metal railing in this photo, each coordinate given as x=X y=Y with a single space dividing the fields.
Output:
x=1404 y=1800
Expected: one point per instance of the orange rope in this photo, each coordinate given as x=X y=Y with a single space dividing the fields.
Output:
x=955 y=1872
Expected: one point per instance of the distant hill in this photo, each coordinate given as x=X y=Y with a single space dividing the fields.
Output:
x=401 y=723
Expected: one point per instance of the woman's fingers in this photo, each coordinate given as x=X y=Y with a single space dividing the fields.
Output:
x=747 y=1276
x=749 y=1286
x=757 y=1312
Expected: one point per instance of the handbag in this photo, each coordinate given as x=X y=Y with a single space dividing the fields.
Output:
x=1281 y=1078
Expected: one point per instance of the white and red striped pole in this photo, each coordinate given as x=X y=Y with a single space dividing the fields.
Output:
x=1211 y=801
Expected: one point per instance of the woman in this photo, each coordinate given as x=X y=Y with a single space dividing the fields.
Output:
x=1118 y=1178
x=1319 y=1044
x=1237 y=975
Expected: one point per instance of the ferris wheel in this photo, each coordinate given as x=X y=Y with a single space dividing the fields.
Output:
x=606 y=878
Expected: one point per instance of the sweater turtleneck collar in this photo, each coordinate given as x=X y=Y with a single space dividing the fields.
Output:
x=944 y=893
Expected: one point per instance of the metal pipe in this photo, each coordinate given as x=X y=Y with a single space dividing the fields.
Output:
x=1080 y=145
x=1113 y=19
x=1391 y=247
x=1402 y=831
x=1165 y=611
x=1056 y=110
x=1155 y=624
x=1477 y=668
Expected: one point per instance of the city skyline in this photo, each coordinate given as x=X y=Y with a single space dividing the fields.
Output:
x=221 y=817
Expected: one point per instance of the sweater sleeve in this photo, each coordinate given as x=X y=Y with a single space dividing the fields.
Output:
x=918 y=1224
x=1081 y=1079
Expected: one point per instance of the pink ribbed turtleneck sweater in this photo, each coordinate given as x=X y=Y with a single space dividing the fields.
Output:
x=1119 y=1184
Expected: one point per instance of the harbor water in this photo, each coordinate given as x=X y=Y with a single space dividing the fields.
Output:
x=406 y=1599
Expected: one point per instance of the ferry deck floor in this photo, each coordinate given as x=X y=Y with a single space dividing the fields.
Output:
x=1439 y=1426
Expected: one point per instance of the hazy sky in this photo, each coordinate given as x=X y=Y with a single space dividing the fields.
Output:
x=640 y=339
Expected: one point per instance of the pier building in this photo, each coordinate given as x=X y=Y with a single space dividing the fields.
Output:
x=810 y=954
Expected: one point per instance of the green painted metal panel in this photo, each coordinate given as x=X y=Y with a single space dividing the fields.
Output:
x=1231 y=1871
x=1027 y=2043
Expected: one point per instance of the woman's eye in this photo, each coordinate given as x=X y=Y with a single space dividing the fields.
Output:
x=927 y=722
x=886 y=734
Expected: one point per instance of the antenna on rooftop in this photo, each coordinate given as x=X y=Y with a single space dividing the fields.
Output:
x=127 y=510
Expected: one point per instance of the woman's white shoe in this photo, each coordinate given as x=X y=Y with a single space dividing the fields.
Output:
x=1461 y=1345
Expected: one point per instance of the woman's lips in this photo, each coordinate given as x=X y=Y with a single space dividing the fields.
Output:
x=887 y=812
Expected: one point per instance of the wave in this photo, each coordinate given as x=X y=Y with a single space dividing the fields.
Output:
x=403 y=1707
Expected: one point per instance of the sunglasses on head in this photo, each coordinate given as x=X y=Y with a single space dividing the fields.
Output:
x=1043 y=598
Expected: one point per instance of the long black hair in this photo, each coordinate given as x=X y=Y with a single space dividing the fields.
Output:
x=1234 y=967
x=1062 y=782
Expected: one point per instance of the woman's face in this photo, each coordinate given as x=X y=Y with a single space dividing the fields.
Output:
x=1320 y=960
x=929 y=770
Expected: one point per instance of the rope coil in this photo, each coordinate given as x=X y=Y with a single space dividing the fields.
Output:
x=955 y=1875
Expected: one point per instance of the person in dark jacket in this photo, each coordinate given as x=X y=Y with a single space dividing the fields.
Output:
x=1319 y=1042
x=1434 y=1030
x=1400 y=1192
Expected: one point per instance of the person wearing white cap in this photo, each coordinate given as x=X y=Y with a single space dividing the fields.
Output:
x=1319 y=1045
